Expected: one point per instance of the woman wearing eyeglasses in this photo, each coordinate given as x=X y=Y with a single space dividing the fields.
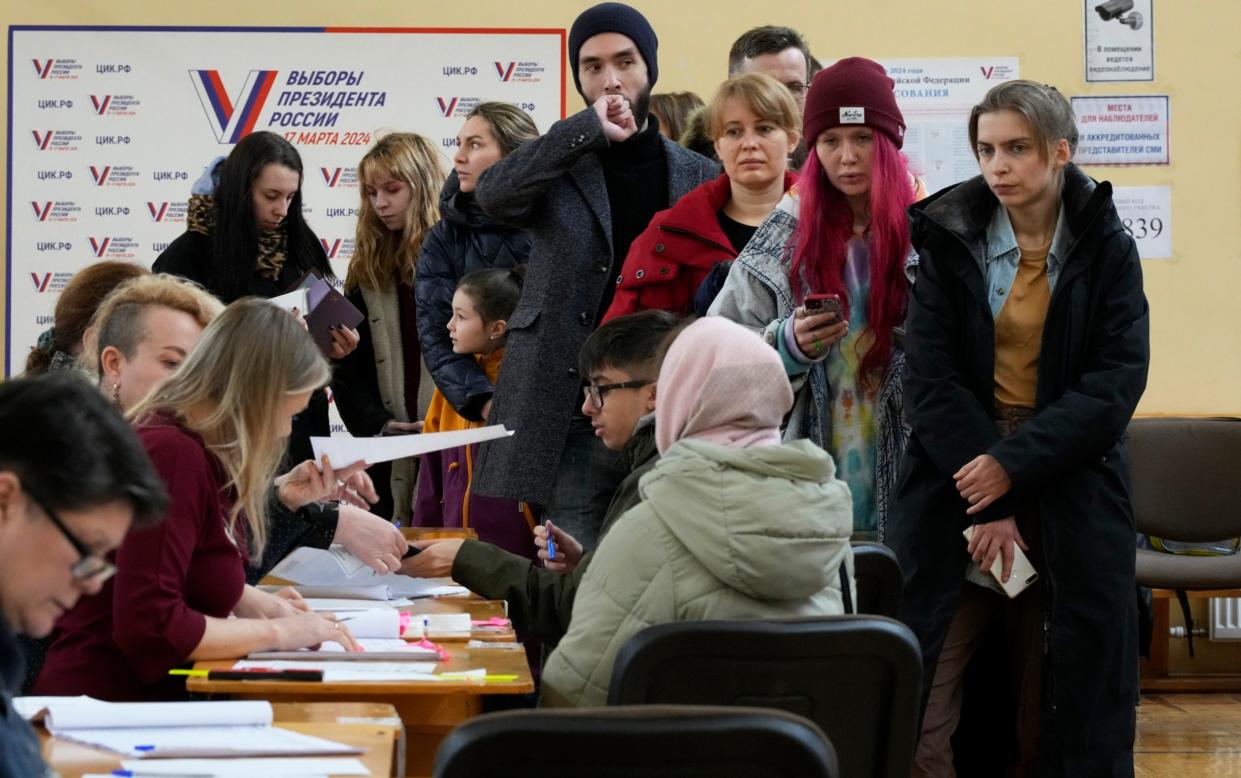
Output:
x=73 y=480
x=216 y=432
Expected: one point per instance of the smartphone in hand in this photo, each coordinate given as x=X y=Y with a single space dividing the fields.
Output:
x=825 y=303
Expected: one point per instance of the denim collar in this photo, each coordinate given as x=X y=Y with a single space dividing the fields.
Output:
x=1002 y=241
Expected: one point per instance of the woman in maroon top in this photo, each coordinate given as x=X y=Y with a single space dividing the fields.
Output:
x=216 y=432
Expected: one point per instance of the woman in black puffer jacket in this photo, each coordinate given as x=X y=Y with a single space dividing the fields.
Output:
x=466 y=240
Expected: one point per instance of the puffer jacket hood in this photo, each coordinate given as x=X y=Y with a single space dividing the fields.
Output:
x=719 y=502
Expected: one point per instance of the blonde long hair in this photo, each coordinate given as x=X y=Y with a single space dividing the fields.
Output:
x=380 y=255
x=250 y=360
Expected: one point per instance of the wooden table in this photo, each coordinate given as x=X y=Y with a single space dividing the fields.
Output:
x=370 y=726
x=429 y=710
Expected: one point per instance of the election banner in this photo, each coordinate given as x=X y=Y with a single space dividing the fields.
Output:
x=110 y=126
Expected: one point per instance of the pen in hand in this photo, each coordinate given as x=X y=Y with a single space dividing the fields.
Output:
x=551 y=544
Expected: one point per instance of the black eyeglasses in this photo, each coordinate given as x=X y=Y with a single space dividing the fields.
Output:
x=89 y=566
x=595 y=393
x=798 y=89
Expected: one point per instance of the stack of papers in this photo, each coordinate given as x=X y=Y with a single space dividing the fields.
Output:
x=383 y=649
x=245 y=768
x=150 y=730
x=338 y=574
x=348 y=672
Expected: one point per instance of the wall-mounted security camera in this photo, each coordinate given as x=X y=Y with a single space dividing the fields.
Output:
x=1120 y=10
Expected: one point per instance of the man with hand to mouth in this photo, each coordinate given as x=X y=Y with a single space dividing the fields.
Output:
x=582 y=192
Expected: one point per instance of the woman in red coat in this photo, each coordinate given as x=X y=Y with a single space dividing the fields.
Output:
x=754 y=122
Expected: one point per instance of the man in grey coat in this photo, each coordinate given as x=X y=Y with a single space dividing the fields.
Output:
x=582 y=192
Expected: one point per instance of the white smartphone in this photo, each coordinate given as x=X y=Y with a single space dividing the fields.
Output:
x=1023 y=573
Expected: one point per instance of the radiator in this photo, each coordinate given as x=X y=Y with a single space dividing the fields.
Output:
x=1225 y=618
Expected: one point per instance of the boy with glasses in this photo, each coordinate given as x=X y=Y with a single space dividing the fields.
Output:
x=621 y=361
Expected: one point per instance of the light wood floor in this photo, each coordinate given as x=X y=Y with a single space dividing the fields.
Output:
x=1183 y=735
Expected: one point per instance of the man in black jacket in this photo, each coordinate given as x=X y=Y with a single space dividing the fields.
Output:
x=583 y=192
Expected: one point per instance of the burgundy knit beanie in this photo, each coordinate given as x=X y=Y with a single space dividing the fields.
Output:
x=854 y=90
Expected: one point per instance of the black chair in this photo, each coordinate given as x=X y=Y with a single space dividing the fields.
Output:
x=858 y=677
x=878 y=579
x=655 y=741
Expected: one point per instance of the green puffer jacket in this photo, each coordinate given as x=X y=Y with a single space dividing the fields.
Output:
x=540 y=601
x=721 y=533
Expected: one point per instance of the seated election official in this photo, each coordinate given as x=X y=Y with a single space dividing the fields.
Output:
x=216 y=432
x=142 y=333
x=73 y=480
x=732 y=524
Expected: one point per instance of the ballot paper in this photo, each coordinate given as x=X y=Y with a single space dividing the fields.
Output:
x=373 y=623
x=393 y=649
x=334 y=572
x=347 y=672
x=291 y=301
x=249 y=768
x=345 y=450
x=345 y=604
x=162 y=730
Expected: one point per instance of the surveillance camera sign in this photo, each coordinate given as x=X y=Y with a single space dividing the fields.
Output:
x=1119 y=40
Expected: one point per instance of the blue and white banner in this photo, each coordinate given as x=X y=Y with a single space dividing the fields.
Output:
x=109 y=127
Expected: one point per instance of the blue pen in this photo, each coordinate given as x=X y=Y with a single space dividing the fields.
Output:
x=551 y=544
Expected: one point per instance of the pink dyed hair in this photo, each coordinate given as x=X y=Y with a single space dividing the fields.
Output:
x=825 y=226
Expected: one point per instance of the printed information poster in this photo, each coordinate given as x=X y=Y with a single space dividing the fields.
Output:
x=936 y=96
x=1119 y=40
x=1122 y=130
x=110 y=126
x=1146 y=212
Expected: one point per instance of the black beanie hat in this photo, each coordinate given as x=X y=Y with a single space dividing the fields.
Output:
x=618 y=18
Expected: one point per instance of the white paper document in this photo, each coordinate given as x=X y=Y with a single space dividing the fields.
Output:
x=153 y=730
x=345 y=604
x=87 y=712
x=335 y=572
x=168 y=742
x=373 y=623
x=251 y=768
x=360 y=672
x=289 y=301
x=393 y=649
x=344 y=450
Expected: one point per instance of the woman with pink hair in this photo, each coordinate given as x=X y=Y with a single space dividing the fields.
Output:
x=840 y=232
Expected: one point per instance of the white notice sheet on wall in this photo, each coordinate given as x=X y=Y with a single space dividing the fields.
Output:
x=1122 y=130
x=1119 y=40
x=936 y=96
x=1146 y=212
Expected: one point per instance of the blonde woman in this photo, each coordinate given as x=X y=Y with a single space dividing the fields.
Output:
x=143 y=332
x=216 y=433
x=466 y=241
x=382 y=388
